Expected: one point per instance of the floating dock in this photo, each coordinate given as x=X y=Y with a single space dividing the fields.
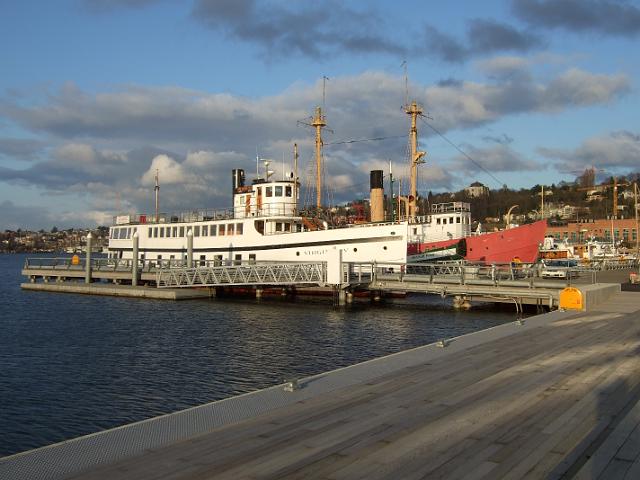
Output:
x=553 y=396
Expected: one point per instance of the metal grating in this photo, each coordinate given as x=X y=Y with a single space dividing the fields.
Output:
x=258 y=274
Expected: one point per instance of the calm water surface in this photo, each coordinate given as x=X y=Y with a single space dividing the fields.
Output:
x=74 y=364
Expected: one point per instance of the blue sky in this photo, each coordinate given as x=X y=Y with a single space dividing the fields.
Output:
x=95 y=95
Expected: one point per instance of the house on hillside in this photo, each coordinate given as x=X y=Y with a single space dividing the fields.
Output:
x=476 y=190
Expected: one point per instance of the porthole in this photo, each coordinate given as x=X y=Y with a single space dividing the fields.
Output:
x=384 y=248
x=297 y=254
x=355 y=249
x=393 y=233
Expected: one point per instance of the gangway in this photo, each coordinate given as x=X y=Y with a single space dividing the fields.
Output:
x=290 y=273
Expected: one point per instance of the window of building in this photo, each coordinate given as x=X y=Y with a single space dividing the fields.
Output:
x=634 y=234
x=288 y=191
x=268 y=191
x=625 y=234
x=278 y=190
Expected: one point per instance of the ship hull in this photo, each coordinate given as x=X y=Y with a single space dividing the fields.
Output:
x=519 y=243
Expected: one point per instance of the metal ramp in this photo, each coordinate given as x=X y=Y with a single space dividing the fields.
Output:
x=291 y=273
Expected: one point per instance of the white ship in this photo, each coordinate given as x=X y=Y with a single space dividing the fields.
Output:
x=265 y=223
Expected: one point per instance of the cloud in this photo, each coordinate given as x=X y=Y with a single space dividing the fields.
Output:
x=471 y=104
x=315 y=31
x=616 y=150
x=14 y=217
x=483 y=37
x=495 y=159
x=607 y=17
x=195 y=138
x=21 y=148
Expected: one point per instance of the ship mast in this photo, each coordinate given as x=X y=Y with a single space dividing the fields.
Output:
x=416 y=157
x=319 y=123
x=295 y=174
x=157 y=192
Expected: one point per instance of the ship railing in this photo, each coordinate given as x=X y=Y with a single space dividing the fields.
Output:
x=451 y=207
x=462 y=272
x=180 y=217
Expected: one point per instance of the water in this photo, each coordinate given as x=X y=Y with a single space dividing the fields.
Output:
x=75 y=364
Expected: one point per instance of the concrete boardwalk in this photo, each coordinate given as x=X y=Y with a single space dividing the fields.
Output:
x=557 y=397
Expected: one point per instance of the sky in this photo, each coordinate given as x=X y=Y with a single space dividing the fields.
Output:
x=96 y=95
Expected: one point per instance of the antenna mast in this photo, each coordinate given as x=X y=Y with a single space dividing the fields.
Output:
x=157 y=192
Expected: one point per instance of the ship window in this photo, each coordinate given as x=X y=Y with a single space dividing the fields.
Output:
x=205 y=230
x=129 y=232
x=217 y=260
x=155 y=232
x=384 y=248
x=278 y=226
x=259 y=191
x=212 y=230
x=161 y=232
x=457 y=219
x=221 y=231
x=182 y=231
x=196 y=231
x=268 y=191
x=278 y=190
x=438 y=221
x=175 y=231
x=203 y=260
x=230 y=229
x=252 y=258
x=239 y=229
x=355 y=249
x=238 y=259
x=287 y=191
x=287 y=227
x=450 y=219
x=149 y=232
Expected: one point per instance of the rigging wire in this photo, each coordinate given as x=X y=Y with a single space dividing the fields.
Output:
x=499 y=182
x=364 y=140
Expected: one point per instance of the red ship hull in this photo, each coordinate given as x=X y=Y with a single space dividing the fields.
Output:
x=503 y=246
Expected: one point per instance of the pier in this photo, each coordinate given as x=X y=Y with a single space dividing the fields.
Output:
x=515 y=284
x=553 y=396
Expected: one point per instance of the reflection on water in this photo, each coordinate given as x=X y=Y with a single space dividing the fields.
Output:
x=74 y=364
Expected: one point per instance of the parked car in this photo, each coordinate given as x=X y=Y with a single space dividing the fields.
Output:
x=557 y=268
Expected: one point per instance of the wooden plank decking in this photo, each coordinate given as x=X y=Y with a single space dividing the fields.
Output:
x=557 y=401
